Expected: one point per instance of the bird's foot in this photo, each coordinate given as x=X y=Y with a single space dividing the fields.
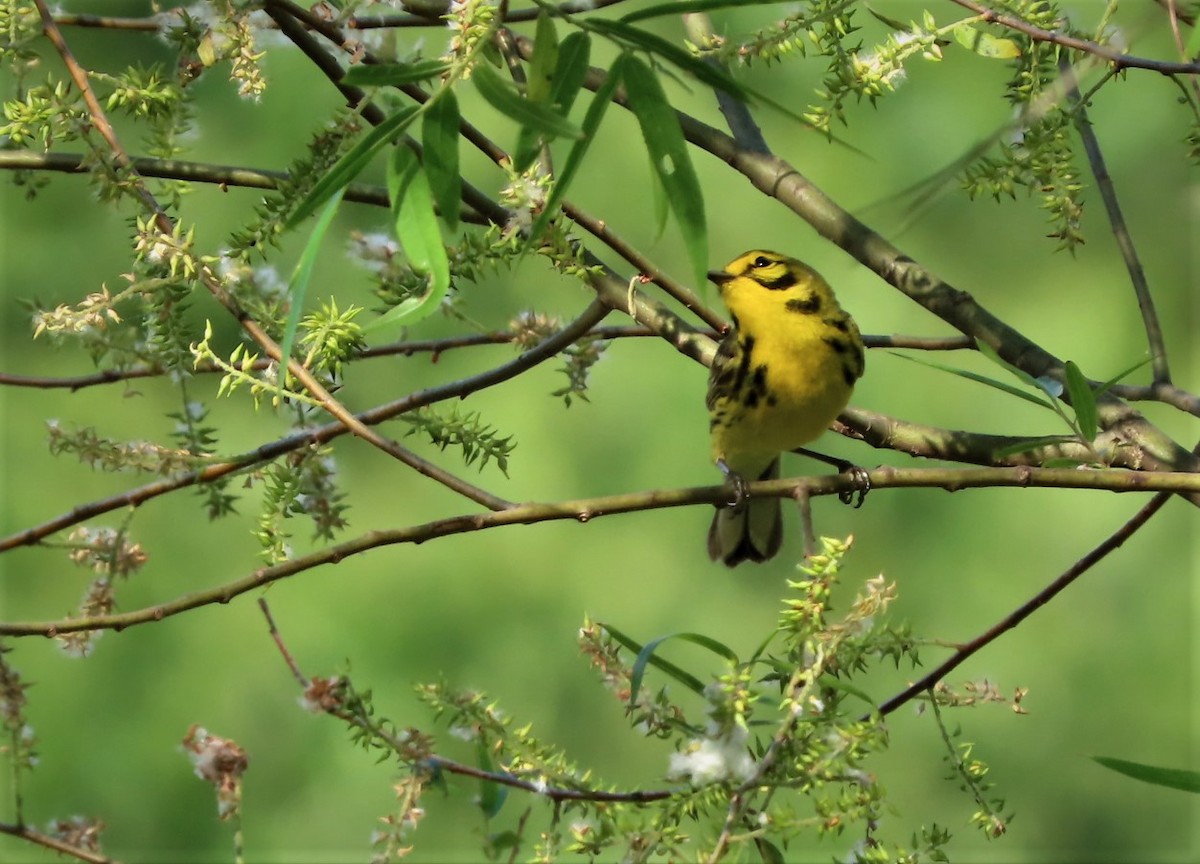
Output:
x=739 y=490
x=862 y=484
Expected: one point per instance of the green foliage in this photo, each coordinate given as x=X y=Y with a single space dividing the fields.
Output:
x=464 y=430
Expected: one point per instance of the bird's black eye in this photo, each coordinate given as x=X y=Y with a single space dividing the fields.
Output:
x=762 y=261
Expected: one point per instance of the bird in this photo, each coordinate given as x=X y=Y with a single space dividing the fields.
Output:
x=781 y=374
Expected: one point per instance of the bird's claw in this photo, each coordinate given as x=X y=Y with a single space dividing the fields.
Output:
x=862 y=485
x=738 y=488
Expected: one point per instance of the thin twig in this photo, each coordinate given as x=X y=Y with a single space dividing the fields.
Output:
x=1112 y=55
x=209 y=279
x=1120 y=229
x=441 y=763
x=1030 y=606
x=25 y=832
x=539 y=353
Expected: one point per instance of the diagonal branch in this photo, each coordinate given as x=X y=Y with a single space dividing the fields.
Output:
x=1120 y=230
x=1037 y=601
x=539 y=353
x=212 y=282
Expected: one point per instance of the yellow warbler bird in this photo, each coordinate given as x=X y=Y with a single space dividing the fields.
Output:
x=781 y=375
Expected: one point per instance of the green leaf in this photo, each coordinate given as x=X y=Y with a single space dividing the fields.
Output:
x=566 y=81
x=687 y=6
x=985 y=44
x=894 y=23
x=670 y=159
x=1172 y=778
x=439 y=137
x=1083 y=400
x=644 y=656
x=768 y=852
x=505 y=99
x=348 y=167
x=835 y=683
x=492 y=795
x=417 y=230
x=574 y=55
x=1193 y=44
x=1104 y=388
x=301 y=276
x=539 y=74
x=591 y=122
x=1028 y=444
x=989 y=352
x=669 y=51
x=983 y=379
x=691 y=682
x=382 y=74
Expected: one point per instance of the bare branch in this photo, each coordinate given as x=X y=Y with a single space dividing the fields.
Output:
x=1037 y=601
x=588 y=509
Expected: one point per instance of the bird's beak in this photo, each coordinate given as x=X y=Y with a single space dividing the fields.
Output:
x=720 y=277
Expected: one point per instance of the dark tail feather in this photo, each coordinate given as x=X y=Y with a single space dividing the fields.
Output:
x=751 y=532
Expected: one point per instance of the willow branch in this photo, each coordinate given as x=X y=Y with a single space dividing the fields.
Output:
x=25 y=832
x=587 y=510
x=1120 y=229
x=1118 y=58
x=166 y=225
x=437 y=347
x=782 y=181
x=441 y=763
x=515 y=16
x=1027 y=608
x=541 y=352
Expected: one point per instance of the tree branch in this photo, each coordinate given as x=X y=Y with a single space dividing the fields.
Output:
x=1027 y=608
x=588 y=509
x=1120 y=230
x=1119 y=58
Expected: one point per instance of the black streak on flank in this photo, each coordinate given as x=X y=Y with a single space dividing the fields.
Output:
x=809 y=305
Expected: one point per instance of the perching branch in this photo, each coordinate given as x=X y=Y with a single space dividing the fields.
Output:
x=589 y=509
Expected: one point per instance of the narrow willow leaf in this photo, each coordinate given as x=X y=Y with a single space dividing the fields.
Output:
x=688 y=680
x=686 y=6
x=566 y=82
x=894 y=23
x=1172 y=778
x=638 y=670
x=348 y=167
x=574 y=54
x=1107 y=385
x=382 y=74
x=1083 y=400
x=417 y=230
x=989 y=352
x=710 y=74
x=492 y=795
x=439 y=136
x=1028 y=444
x=670 y=158
x=539 y=74
x=768 y=852
x=301 y=276
x=983 y=379
x=505 y=99
x=985 y=44
x=591 y=122
x=835 y=683
x=657 y=45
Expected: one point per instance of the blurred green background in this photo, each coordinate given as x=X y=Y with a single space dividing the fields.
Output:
x=1110 y=665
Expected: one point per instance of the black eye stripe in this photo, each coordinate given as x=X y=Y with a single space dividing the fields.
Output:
x=786 y=279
